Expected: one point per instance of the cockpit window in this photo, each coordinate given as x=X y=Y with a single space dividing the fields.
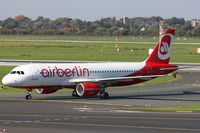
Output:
x=17 y=72
x=13 y=72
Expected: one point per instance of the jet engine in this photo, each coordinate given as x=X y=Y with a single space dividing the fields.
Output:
x=87 y=89
x=46 y=90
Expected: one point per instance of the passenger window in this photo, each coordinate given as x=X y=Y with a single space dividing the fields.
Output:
x=22 y=72
x=18 y=72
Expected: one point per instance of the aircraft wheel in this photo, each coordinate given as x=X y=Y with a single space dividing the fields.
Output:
x=104 y=95
x=74 y=94
x=28 y=97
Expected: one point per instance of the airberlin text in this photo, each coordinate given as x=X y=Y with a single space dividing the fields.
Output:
x=75 y=71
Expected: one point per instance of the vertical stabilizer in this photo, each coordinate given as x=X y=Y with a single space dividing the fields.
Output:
x=162 y=51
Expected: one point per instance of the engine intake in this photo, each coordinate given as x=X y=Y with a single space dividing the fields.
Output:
x=87 y=89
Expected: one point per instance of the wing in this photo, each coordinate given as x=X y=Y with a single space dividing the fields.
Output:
x=115 y=79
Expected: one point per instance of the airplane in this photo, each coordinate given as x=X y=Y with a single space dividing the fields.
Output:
x=89 y=79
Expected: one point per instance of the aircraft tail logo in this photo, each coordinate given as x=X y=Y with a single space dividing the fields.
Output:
x=162 y=51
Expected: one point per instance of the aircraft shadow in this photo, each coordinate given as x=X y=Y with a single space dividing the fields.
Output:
x=165 y=96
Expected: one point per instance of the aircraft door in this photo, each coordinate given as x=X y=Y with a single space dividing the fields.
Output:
x=36 y=77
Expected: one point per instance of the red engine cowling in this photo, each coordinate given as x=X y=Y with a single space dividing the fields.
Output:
x=46 y=91
x=87 y=89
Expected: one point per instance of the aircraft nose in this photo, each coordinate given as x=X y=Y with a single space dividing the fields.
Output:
x=6 y=81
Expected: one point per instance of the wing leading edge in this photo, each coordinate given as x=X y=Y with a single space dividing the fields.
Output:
x=114 y=79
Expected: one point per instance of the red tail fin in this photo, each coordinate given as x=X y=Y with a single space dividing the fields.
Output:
x=162 y=51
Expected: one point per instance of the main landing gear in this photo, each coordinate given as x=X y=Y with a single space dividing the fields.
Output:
x=103 y=94
x=74 y=94
x=28 y=96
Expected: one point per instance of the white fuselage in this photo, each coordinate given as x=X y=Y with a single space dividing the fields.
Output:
x=63 y=74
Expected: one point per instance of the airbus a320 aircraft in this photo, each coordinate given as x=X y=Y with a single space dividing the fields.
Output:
x=88 y=79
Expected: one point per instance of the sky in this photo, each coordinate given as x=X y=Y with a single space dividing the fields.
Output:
x=91 y=10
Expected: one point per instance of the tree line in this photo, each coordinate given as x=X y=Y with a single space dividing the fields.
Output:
x=139 y=26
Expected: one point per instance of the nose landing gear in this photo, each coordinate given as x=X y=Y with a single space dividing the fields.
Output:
x=28 y=96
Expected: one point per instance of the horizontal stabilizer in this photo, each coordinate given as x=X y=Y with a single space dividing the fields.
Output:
x=172 y=68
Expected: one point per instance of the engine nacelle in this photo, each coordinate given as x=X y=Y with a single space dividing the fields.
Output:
x=87 y=89
x=46 y=90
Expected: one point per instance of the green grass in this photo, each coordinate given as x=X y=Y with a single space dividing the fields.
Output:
x=95 y=38
x=71 y=51
x=176 y=108
x=90 y=52
x=80 y=51
x=80 y=38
